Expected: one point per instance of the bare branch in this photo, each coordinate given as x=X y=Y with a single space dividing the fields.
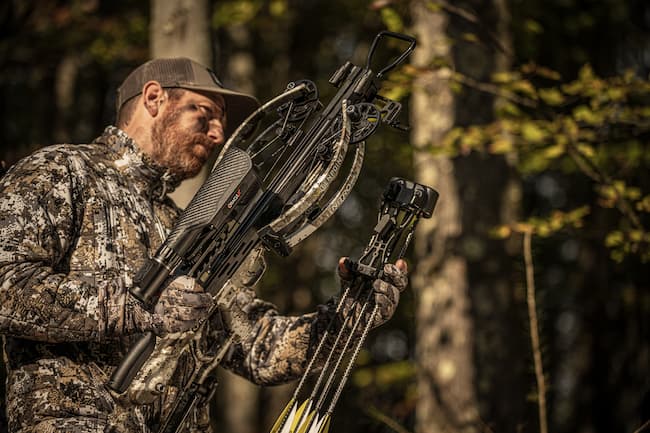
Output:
x=493 y=89
x=534 y=332
x=472 y=18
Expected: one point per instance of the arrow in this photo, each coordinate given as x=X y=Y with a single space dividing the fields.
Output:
x=287 y=413
x=299 y=420
x=310 y=419
x=322 y=426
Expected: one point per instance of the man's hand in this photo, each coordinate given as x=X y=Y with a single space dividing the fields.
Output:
x=386 y=293
x=182 y=304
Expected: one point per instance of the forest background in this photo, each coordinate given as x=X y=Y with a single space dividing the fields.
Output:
x=529 y=301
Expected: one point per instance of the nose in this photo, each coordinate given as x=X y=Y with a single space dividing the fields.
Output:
x=215 y=131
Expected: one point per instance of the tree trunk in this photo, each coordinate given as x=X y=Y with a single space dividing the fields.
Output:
x=471 y=338
x=445 y=337
x=182 y=29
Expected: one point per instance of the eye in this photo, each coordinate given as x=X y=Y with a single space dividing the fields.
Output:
x=207 y=110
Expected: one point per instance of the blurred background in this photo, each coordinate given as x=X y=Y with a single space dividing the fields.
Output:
x=529 y=303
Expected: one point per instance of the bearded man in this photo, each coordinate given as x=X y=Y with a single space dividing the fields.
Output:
x=76 y=224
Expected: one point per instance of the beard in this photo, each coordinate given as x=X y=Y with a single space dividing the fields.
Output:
x=183 y=152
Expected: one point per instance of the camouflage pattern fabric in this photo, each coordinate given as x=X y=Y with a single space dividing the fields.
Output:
x=76 y=223
x=386 y=294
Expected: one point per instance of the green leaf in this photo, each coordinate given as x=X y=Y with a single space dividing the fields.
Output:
x=615 y=94
x=505 y=77
x=524 y=87
x=586 y=150
x=554 y=151
x=501 y=145
x=533 y=26
x=582 y=113
x=551 y=96
x=643 y=205
x=507 y=108
x=392 y=19
x=586 y=73
x=532 y=133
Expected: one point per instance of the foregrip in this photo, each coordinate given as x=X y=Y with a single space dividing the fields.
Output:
x=132 y=363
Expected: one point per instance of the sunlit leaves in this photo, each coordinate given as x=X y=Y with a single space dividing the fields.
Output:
x=609 y=195
x=552 y=96
x=117 y=41
x=546 y=226
x=595 y=126
x=96 y=34
x=532 y=132
x=392 y=19
x=235 y=12
x=625 y=242
x=643 y=205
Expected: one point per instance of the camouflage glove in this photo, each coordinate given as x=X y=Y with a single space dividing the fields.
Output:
x=180 y=307
x=386 y=296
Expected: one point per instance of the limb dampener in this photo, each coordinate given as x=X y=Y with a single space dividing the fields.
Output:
x=403 y=204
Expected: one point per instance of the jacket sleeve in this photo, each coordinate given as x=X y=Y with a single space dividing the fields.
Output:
x=41 y=211
x=278 y=348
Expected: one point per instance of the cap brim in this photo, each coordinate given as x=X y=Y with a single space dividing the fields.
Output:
x=238 y=105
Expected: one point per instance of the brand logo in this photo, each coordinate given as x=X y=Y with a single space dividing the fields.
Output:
x=234 y=199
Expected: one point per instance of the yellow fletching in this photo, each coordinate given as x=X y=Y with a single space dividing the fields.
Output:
x=282 y=418
x=306 y=422
x=325 y=426
x=301 y=409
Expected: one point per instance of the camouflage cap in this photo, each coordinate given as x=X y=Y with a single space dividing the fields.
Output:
x=187 y=74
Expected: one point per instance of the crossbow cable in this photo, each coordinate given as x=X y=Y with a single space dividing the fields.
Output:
x=403 y=204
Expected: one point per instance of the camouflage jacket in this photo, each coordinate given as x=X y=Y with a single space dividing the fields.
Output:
x=77 y=222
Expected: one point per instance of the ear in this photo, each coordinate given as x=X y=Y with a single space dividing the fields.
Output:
x=153 y=95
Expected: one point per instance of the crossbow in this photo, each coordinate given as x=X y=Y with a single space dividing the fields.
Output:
x=403 y=204
x=277 y=180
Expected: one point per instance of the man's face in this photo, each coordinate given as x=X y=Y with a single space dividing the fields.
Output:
x=187 y=132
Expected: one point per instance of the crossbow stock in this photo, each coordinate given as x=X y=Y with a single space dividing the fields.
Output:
x=277 y=179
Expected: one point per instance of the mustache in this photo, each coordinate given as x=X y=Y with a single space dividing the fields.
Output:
x=202 y=139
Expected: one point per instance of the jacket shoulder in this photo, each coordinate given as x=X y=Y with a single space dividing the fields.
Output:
x=59 y=158
x=54 y=165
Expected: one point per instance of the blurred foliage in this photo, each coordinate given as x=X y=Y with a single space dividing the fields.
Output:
x=597 y=127
x=594 y=126
x=106 y=32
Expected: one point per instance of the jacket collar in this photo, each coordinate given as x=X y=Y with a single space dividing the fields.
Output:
x=155 y=180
